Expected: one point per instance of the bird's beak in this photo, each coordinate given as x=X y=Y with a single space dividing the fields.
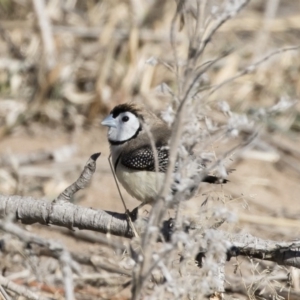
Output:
x=109 y=121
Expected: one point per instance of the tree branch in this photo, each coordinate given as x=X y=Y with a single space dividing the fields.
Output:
x=65 y=214
x=283 y=253
x=29 y=211
x=20 y=290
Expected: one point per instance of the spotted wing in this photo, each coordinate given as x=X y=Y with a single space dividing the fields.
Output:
x=142 y=159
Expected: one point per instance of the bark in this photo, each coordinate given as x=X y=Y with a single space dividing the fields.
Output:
x=62 y=213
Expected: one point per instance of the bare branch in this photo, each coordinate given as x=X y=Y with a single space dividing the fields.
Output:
x=4 y=294
x=223 y=19
x=92 y=237
x=63 y=255
x=258 y=285
x=69 y=215
x=46 y=32
x=83 y=180
x=29 y=210
x=251 y=68
x=36 y=157
x=283 y=253
x=20 y=290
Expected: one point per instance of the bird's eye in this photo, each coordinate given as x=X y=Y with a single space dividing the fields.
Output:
x=125 y=118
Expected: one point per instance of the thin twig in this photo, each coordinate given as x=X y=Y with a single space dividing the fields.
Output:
x=20 y=290
x=161 y=204
x=3 y=293
x=117 y=184
x=64 y=256
x=251 y=68
x=223 y=19
x=121 y=196
x=173 y=42
x=46 y=32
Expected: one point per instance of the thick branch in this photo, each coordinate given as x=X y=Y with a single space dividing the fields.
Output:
x=283 y=253
x=29 y=210
x=68 y=215
x=61 y=212
x=83 y=180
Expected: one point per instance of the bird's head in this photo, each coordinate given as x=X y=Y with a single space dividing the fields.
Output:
x=124 y=123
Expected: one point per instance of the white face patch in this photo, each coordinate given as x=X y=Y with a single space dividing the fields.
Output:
x=127 y=125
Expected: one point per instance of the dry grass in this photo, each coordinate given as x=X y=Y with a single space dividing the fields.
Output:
x=56 y=84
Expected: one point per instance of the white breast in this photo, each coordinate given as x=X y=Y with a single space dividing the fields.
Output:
x=142 y=185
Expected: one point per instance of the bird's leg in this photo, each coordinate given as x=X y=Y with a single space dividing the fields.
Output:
x=127 y=212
